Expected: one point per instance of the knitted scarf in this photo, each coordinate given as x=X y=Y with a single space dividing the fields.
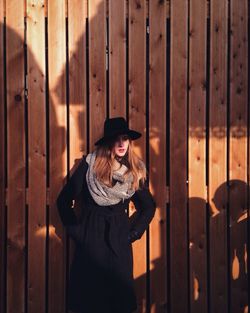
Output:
x=103 y=194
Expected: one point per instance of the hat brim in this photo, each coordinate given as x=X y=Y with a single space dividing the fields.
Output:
x=133 y=134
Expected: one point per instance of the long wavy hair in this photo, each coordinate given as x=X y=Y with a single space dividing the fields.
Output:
x=105 y=157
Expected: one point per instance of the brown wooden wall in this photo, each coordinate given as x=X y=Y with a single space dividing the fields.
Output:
x=178 y=71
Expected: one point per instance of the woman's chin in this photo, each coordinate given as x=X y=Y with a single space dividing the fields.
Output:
x=120 y=154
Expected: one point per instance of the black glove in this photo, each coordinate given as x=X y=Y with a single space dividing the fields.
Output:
x=133 y=235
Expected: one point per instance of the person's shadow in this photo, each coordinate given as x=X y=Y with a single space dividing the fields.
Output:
x=231 y=240
x=97 y=100
x=50 y=140
x=219 y=248
x=49 y=239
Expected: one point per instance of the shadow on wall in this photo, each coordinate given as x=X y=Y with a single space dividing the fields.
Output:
x=237 y=210
x=238 y=217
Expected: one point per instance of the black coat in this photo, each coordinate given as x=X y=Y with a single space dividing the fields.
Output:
x=101 y=272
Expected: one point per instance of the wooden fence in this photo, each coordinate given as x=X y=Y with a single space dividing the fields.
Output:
x=178 y=71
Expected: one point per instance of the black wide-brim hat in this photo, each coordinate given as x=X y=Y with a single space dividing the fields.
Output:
x=114 y=127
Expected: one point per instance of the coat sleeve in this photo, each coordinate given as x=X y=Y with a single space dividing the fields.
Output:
x=68 y=193
x=145 y=206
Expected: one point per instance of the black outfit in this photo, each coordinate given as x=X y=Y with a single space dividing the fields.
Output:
x=101 y=273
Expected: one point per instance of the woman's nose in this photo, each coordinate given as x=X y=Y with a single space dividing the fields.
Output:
x=120 y=142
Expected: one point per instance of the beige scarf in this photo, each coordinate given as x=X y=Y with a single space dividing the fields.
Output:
x=103 y=194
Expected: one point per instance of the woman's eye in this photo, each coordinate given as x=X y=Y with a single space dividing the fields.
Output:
x=123 y=138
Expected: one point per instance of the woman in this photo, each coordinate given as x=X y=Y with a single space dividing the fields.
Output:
x=104 y=182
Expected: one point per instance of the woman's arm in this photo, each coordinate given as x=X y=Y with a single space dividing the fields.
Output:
x=145 y=209
x=69 y=193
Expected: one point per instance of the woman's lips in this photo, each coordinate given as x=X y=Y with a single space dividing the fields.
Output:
x=121 y=150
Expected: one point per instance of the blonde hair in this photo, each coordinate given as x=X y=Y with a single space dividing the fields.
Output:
x=103 y=168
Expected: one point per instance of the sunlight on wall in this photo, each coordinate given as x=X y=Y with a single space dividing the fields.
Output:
x=41 y=232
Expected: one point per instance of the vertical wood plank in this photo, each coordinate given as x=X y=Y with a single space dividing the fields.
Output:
x=226 y=255
x=197 y=157
x=57 y=152
x=157 y=153
x=37 y=156
x=117 y=58
x=77 y=15
x=2 y=161
x=97 y=69
x=218 y=156
x=137 y=120
x=77 y=19
x=238 y=155
x=178 y=159
x=16 y=156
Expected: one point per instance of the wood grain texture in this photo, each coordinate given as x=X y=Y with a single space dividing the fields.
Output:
x=37 y=156
x=197 y=158
x=16 y=157
x=137 y=120
x=157 y=153
x=188 y=94
x=77 y=15
x=97 y=69
x=238 y=155
x=77 y=20
x=218 y=156
x=117 y=58
x=2 y=161
x=178 y=158
x=57 y=152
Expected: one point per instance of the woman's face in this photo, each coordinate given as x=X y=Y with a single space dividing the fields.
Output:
x=121 y=144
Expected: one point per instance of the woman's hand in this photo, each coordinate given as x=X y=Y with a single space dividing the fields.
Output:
x=133 y=235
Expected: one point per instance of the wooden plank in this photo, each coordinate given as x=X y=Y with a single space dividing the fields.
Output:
x=57 y=152
x=178 y=159
x=77 y=15
x=247 y=259
x=217 y=156
x=157 y=154
x=37 y=156
x=238 y=155
x=117 y=58
x=97 y=69
x=197 y=157
x=77 y=19
x=2 y=160
x=16 y=157
x=137 y=120
x=248 y=180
